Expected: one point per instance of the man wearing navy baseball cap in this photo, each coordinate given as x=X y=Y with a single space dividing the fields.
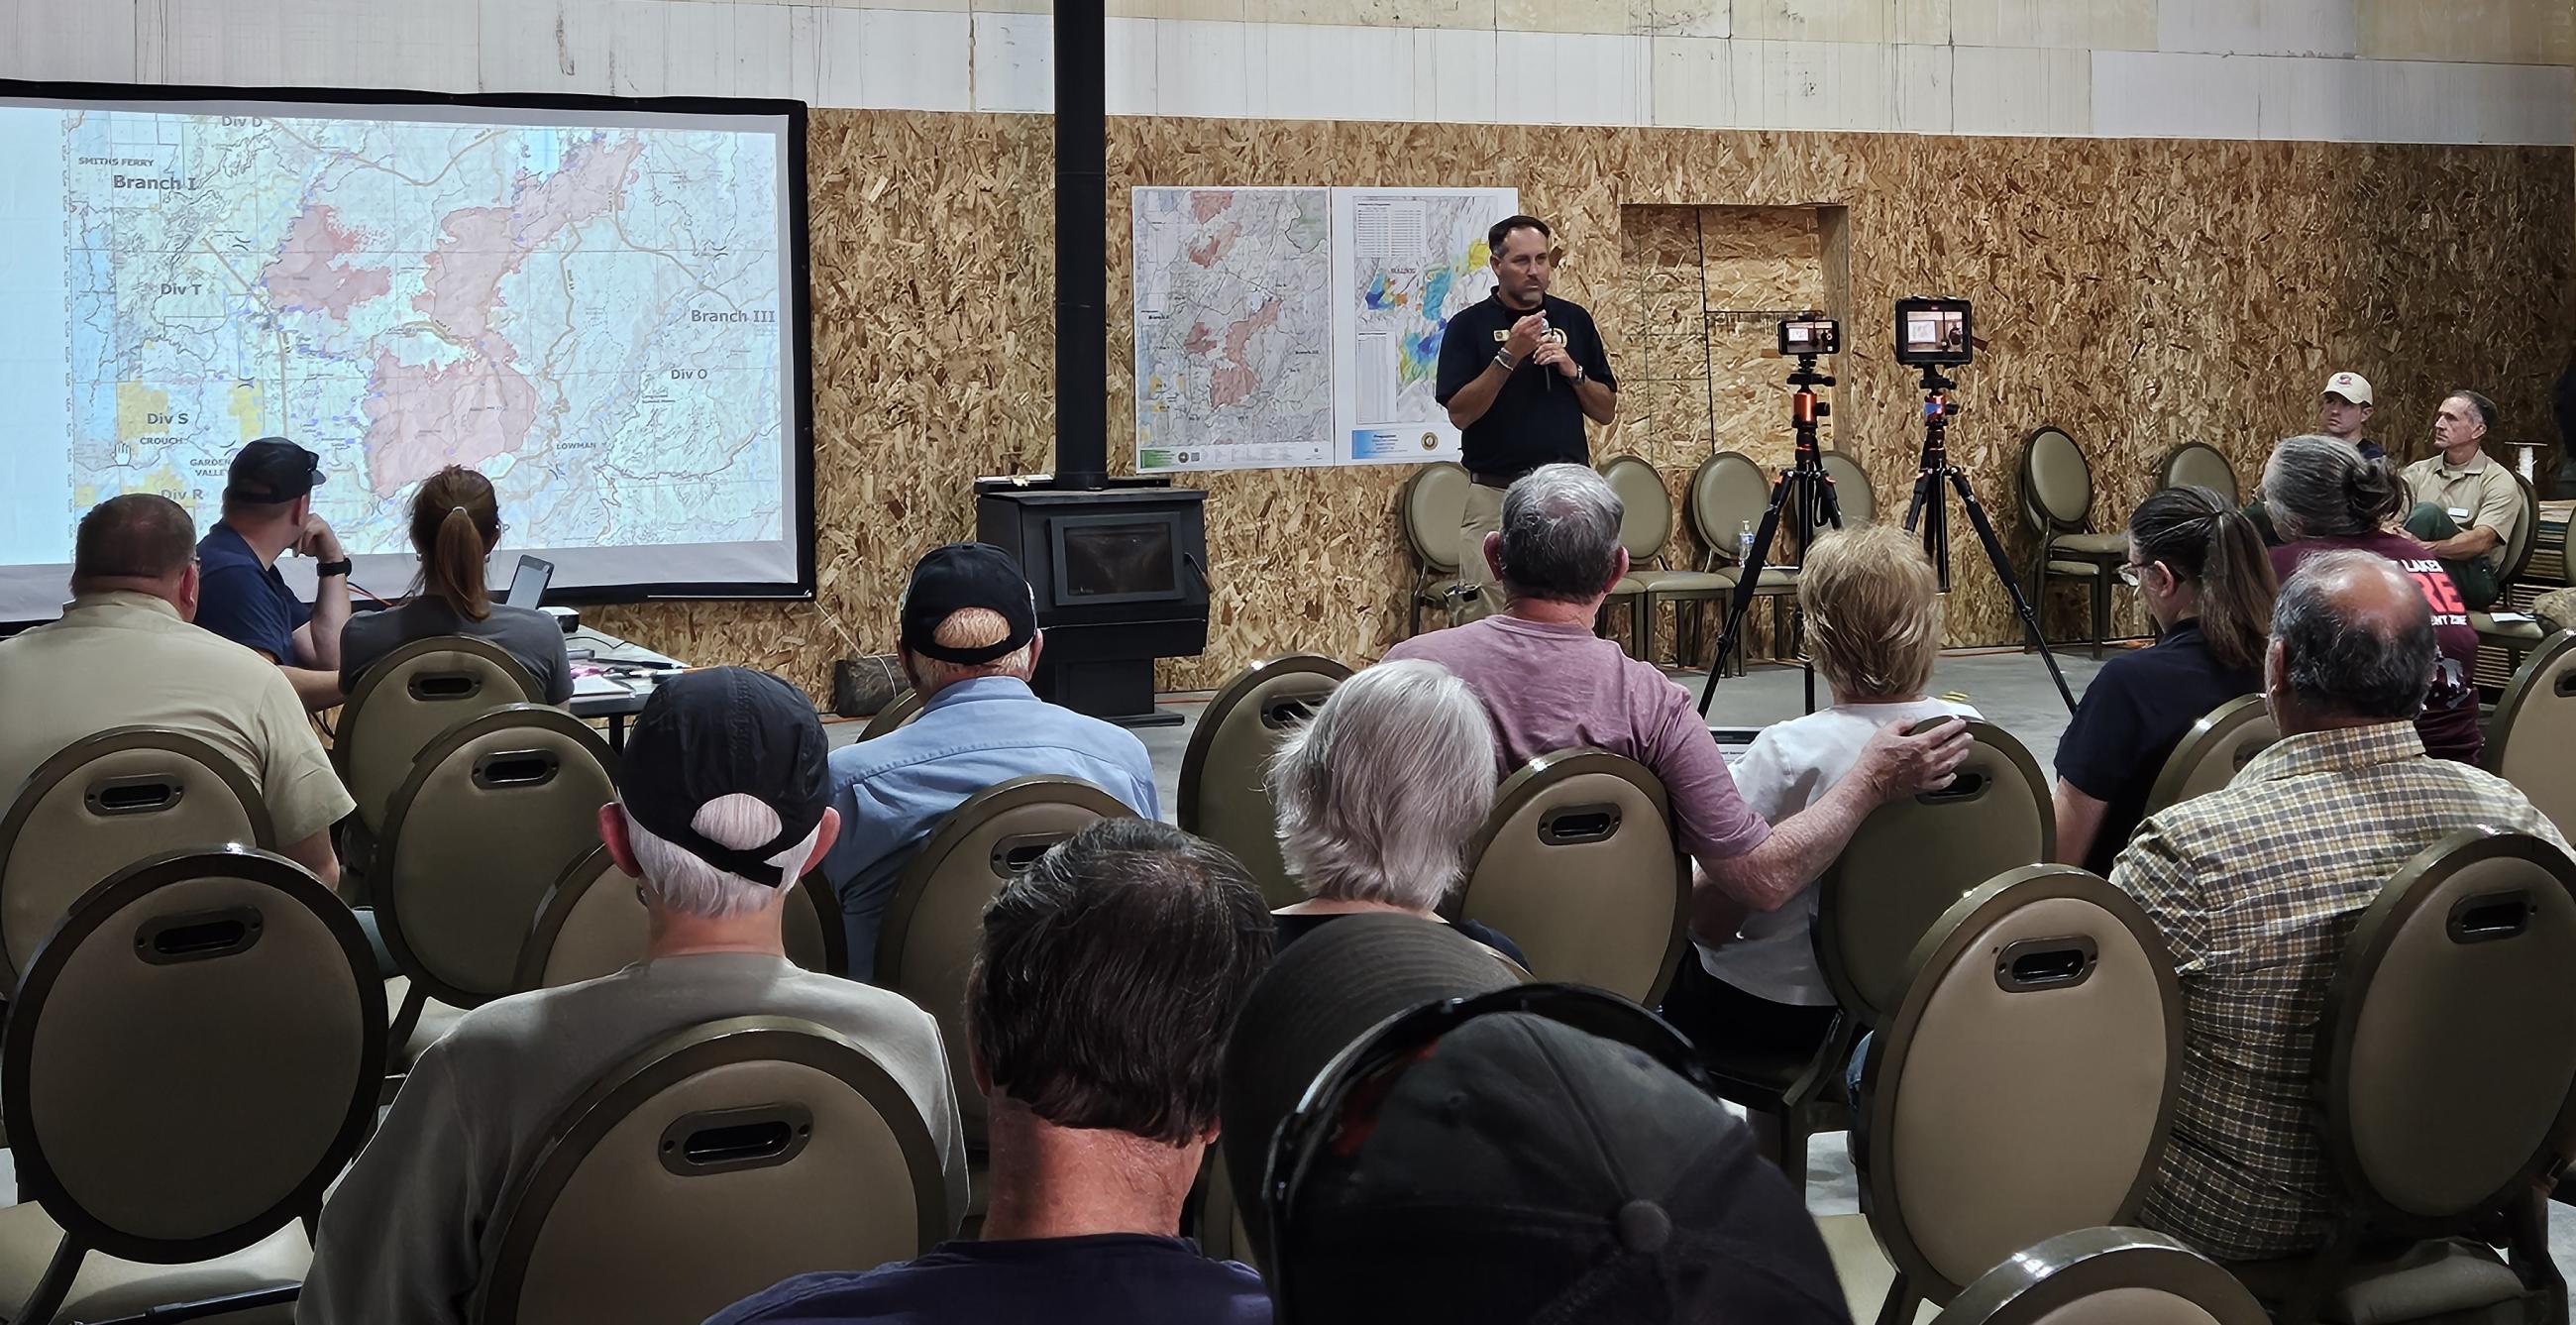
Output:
x=969 y=644
x=722 y=804
x=267 y=513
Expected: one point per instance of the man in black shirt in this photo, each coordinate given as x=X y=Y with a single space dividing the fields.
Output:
x=1519 y=373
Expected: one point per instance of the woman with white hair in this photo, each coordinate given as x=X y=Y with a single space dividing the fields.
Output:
x=1874 y=626
x=1378 y=796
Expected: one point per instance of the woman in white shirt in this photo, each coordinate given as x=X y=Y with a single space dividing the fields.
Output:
x=1873 y=627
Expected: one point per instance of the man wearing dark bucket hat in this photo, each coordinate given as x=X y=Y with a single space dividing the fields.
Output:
x=1499 y=1154
x=969 y=641
x=721 y=805
x=267 y=513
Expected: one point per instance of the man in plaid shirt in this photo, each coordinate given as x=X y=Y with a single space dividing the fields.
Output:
x=2257 y=887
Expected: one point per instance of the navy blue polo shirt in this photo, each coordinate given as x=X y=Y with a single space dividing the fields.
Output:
x=2137 y=710
x=244 y=601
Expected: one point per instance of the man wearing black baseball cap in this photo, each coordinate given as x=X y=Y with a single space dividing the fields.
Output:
x=721 y=806
x=969 y=644
x=268 y=512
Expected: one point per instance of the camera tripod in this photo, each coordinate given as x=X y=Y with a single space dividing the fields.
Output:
x=1804 y=489
x=1935 y=467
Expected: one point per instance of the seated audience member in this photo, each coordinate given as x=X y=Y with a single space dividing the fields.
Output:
x=1103 y=989
x=124 y=655
x=722 y=803
x=2255 y=887
x=1550 y=684
x=2343 y=411
x=2466 y=505
x=1498 y=1165
x=2204 y=576
x=1379 y=795
x=2326 y=497
x=969 y=644
x=455 y=520
x=267 y=513
x=1874 y=628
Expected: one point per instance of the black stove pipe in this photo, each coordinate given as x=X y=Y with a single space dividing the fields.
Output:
x=1081 y=246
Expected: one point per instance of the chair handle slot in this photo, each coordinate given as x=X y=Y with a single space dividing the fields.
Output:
x=1285 y=711
x=1573 y=825
x=2564 y=684
x=2031 y=965
x=733 y=1140
x=516 y=770
x=1969 y=785
x=138 y=793
x=1016 y=853
x=2488 y=917
x=438 y=686
x=197 y=935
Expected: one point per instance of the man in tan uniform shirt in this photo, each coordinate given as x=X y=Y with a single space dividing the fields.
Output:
x=2466 y=505
x=124 y=654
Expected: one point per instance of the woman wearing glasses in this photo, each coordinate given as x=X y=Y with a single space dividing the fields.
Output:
x=2199 y=566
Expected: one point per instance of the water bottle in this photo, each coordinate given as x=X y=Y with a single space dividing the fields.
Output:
x=1744 y=545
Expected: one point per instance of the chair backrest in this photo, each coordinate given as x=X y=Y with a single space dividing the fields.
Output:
x=1576 y=864
x=2447 y=1051
x=2199 y=465
x=193 y=1056
x=1433 y=504
x=403 y=702
x=1727 y=491
x=593 y=923
x=494 y=812
x=1852 y=492
x=1912 y=858
x=1224 y=796
x=2056 y=481
x=2531 y=742
x=2025 y=1084
x=898 y=712
x=2225 y=739
x=101 y=804
x=709 y=1166
x=2526 y=534
x=1645 y=508
x=2106 y=1276
x=936 y=917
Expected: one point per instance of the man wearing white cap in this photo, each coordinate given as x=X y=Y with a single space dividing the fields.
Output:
x=2343 y=410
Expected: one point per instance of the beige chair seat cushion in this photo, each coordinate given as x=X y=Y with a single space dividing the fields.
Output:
x=1661 y=582
x=2090 y=545
x=107 y=1287
x=2082 y=570
x=435 y=1020
x=2488 y=626
x=1862 y=1267
x=2445 y=1280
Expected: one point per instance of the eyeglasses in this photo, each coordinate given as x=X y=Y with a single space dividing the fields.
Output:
x=2131 y=572
x=1363 y=1074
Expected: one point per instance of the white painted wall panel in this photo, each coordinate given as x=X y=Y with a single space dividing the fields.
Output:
x=1813 y=84
x=1014 y=62
x=1926 y=82
x=2154 y=94
x=1202 y=68
x=1454 y=78
x=1313 y=72
x=93 y=42
x=1572 y=78
x=1130 y=72
x=915 y=60
x=2010 y=90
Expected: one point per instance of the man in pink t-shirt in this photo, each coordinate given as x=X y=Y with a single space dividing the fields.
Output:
x=1551 y=684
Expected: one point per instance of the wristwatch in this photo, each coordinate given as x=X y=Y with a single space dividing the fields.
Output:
x=326 y=569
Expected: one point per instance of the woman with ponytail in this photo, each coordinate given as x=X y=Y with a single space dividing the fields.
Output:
x=455 y=521
x=2200 y=567
x=2325 y=497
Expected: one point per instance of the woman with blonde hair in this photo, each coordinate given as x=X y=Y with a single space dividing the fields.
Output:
x=455 y=522
x=1873 y=618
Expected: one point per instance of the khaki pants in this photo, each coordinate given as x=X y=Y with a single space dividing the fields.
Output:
x=1484 y=515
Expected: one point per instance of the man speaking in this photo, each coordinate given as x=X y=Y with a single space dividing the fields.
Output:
x=1519 y=373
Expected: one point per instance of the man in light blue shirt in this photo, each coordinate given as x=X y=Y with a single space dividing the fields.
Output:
x=969 y=643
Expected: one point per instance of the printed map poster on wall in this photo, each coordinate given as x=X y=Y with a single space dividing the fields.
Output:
x=1234 y=319
x=1404 y=262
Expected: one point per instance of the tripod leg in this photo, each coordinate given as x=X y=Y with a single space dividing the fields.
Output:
x=2003 y=571
x=1751 y=573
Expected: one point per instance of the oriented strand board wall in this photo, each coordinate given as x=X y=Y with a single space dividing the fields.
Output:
x=2138 y=293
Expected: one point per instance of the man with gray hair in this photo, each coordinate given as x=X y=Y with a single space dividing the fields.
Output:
x=721 y=806
x=2255 y=888
x=1550 y=684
